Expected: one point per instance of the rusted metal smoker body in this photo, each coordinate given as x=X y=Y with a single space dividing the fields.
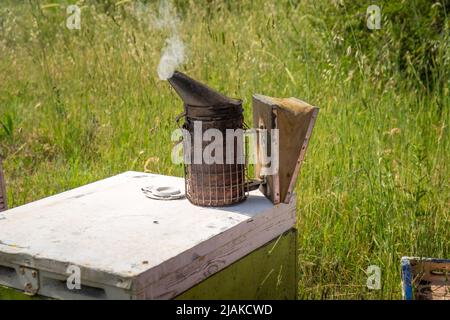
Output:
x=211 y=183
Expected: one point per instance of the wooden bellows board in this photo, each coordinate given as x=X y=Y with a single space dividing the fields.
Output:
x=295 y=121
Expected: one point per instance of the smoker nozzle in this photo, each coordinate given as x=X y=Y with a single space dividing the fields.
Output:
x=194 y=93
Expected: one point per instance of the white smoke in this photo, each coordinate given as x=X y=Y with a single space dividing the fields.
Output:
x=173 y=54
x=172 y=57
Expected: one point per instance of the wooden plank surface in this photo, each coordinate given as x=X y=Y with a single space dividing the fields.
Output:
x=118 y=237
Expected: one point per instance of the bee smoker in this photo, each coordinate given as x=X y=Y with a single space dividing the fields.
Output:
x=224 y=181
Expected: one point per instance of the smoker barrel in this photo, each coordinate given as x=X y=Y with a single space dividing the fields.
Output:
x=223 y=182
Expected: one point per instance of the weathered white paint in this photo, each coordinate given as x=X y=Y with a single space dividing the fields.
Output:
x=123 y=240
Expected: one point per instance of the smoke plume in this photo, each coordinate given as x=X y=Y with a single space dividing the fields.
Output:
x=173 y=54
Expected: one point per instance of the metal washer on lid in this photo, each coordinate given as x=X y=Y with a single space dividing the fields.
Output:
x=163 y=193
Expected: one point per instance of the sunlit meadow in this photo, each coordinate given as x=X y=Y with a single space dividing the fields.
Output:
x=80 y=105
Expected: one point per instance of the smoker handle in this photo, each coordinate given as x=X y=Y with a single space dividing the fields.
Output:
x=178 y=117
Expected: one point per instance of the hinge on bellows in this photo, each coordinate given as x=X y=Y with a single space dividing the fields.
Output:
x=29 y=279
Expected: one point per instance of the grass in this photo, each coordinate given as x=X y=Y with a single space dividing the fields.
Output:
x=81 y=105
x=12 y=294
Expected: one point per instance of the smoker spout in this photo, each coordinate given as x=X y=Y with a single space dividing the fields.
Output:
x=194 y=93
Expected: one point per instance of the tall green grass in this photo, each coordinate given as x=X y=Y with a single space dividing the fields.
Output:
x=81 y=105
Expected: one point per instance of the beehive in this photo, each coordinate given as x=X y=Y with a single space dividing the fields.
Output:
x=128 y=246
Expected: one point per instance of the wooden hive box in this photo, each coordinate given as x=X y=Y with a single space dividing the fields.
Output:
x=425 y=278
x=294 y=119
x=128 y=246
